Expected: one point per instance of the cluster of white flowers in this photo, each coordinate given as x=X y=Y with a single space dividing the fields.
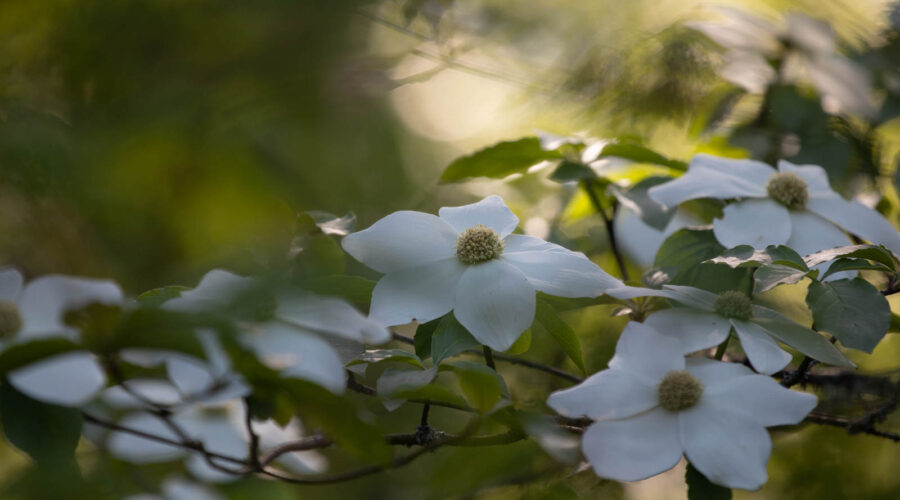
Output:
x=654 y=404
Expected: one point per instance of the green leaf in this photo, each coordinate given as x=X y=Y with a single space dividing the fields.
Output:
x=637 y=200
x=547 y=317
x=20 y=355
x=640 y=154
x=354 y=289
x=522 y=344
x=683 y=254
x=339 y=418
x=700 y=488
x=423 y=338
x=393 y=380
x=318 y=255
x=388 y=355
x=48 y=433
x=570 y=171
x=799 y=337
x=746 y=256
x=852 y=310
x=877 y=253
x=499 y=160
x=158 y=296
x=849 y=264
x=432 y=392
x=450 y=338
x=768 y=277
x=483 y=386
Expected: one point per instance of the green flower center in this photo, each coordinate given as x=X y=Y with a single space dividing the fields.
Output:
x=734 y=304
x=478 y=244
x=10 y=319
x=679 y=390
x=788 y=189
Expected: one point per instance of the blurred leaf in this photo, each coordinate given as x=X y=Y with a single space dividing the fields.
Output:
x=450 y=338
x=640 y=154
x=852 y=310
x=48 y=433
x=354 y=289
x=319 y=255
x=636 y=199
x=700 y=488
x=339 y=418
x=388 y=355
x=432 y=392
x=393 y=380
x=158 y=296
x=568 y=171
x=424 y=336
x=20 y=355
x=482 y=385
x=547 y=317
x=522 y=344
x=500 y=160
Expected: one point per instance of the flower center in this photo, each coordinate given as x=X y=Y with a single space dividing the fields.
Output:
x=679 y=390
x=478 y=244
x=788 y=189
x=10 y=319
x=734 y=304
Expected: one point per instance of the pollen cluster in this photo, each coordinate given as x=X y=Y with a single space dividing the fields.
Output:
x=679 y=390
x=788 y=189
x=10 y=319
x=734 y=304
x=478 y=244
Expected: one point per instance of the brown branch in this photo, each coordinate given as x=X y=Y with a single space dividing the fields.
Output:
x=852 y=426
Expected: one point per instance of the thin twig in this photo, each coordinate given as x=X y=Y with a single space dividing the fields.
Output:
x=588 y=186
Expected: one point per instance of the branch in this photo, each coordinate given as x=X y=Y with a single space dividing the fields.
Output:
x=513 y=360
x=588 y=186
x=852 y=426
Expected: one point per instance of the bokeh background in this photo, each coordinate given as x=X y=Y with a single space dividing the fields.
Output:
x=151 y=140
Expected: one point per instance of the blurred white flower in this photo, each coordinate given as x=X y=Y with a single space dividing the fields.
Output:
x=37 y=311
x=304 y=336
x=709 y=318
x=467 y=260
x=651 y=406
x=793 y=205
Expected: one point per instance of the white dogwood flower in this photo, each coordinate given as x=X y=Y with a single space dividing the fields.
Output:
x=467 y=260
x=302 y=336
x=793 y=205
x=708 y=319
x=651 y=406
x=37 y=311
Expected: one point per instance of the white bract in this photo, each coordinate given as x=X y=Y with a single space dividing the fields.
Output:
x=303 y=336
x=708 y=319
x=793 y=205
x=652 y=406
x=37 y=311
x=467 y=260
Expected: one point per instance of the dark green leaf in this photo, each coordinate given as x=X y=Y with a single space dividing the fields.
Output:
x=393 y=380
x=450 y=338
x=746 y=256
x=500 y=160
x=876 y=253
x=640 y=154
x=700 y=488
x=388 y=355
x=683 y=254
x=546 y=316
x=799 y=337
x=318 y=255
x=354 y=289
x=48 y=433
x=571 y=171
x=423 y=338
x=850 y=309
x=432 y=392
x=24 y=354
x=849 y=264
